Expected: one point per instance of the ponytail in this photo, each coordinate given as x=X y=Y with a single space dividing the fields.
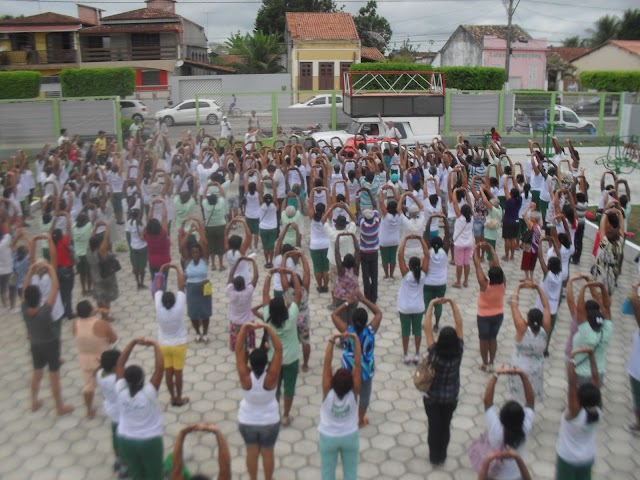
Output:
x=414 y=266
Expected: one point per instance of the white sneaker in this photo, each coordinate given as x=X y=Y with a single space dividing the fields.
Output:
x=15 y=310
x=406 y=359
x=416 y=359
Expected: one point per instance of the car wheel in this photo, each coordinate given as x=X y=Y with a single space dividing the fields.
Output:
x=168 y=121
x=137 y=116
x=212 y=119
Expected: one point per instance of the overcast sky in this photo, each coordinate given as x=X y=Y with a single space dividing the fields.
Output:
x=427 y=23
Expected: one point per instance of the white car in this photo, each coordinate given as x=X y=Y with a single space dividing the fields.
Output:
x=185 y=112
x=133 y=109
x=320 y=101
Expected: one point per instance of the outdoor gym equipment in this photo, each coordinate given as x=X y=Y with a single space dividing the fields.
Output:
x=622 y=155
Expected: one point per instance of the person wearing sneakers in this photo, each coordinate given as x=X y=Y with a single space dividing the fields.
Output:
x=172 y=334
x=411 y=297
x=490 y=305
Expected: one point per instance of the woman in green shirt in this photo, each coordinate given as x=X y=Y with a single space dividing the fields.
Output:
x=283 y=318
x=214 y=210
x=493 y=222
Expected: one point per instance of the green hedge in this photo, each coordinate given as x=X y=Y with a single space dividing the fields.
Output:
x=91 y=82
x=19 y=85
x=461 y=78
x=611 y=80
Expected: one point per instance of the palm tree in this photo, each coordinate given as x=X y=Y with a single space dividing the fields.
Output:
x=630 y=25
x=571 y=42
x=260 y=52
x=606 y=28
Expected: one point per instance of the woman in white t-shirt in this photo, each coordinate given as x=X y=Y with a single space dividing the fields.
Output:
x=576 y=445
x=410 y=303
x=319 y=247
x=389 y=231
x=462 y=243
x=140 y=426
x=240 y=293
x=268 y=225
x=259 y=415
x=509 y=426
x=252 y=209
x=435 y=285
x=172 y=333
x=338 y=425
x=134 y=228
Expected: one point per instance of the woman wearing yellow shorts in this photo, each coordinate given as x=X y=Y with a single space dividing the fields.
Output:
x=172 y=333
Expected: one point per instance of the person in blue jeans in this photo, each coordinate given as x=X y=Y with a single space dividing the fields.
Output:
x=338 y=425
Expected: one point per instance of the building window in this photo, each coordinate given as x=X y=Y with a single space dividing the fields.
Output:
x=150 y=78
x=344 y=67
x=305 y=76
x=326 y=80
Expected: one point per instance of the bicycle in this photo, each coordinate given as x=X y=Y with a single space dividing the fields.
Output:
x=234 y=112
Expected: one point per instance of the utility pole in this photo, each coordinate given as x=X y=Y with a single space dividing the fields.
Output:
x=510 y=11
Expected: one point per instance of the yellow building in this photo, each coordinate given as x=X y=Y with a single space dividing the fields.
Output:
x=613 y=55
x=320 y=47
x=46 y=43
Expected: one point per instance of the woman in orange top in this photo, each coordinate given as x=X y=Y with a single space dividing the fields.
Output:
x=93 y=337
x=490 y=304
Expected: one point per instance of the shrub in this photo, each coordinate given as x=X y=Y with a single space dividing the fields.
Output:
x=461 y=78
x=91 y=82
x=611 y=80
x=19 y=85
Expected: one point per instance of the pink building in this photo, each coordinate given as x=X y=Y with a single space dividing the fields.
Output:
x=528 y=66
x=486 y=45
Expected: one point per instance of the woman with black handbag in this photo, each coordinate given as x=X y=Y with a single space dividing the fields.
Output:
x=441 y=400
x=103 y=267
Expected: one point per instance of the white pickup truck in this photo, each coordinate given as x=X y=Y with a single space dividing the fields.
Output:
x=412 y=129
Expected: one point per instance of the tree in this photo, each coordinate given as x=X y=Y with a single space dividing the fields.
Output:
x=606 y=28
x=260 y=52
x=406 y=53
x=575 y=42
x=629 y=28
x=373 y=30
x=271 y=15
x=9 y=17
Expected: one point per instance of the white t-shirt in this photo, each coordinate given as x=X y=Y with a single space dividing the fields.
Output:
x=242 y=270
x=268 y=216
x=338 y=417
x=410 y=294
x=258 y=406
x=318 y=237
x=135 y=232
x=431 y=210
x=495 y=436
x=462 y=232
x=577 y=439
x=140 y=415
x=6 y=256
x=565 y=256
x=44 y=283
x=552 y=287
x=109 y=395
x=276 y=281
x=389 y=233
x=346 y=242
x=239 y=307
x=252 y=207
x=413 y=226
x=171 y=329
x=437 y=273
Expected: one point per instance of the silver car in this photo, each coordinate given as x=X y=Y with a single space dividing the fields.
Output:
x=185 y=112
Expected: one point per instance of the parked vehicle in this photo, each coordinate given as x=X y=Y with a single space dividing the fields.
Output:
x=319 y=101
x=300 y=132
x=412 y=129
x=133 y=109
x=185 y=112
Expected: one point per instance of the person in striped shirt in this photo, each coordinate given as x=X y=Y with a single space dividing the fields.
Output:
x=369 y=222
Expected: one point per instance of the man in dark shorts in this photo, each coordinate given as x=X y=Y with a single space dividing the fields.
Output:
x=45 y=345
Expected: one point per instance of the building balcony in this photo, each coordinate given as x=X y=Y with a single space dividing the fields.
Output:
x=19 y=58
x=129 y=54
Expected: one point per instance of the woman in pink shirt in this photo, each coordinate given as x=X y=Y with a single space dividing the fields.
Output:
x=490 y=305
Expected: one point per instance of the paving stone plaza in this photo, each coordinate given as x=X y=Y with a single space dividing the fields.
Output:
x=40 y=446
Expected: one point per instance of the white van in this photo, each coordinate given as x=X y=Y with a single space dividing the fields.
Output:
x=412 y=129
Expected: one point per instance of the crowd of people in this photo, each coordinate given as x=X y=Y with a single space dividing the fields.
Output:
x=333 y=214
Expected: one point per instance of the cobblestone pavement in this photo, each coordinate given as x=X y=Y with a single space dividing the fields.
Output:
x=40 y=446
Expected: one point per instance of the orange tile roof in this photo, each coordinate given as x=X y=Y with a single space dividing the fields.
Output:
x=372 y=53
x=568 y=54
x=133 y=28
x=632 y=46
x=142 y=14
x=322 y=26
x=47 y=18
